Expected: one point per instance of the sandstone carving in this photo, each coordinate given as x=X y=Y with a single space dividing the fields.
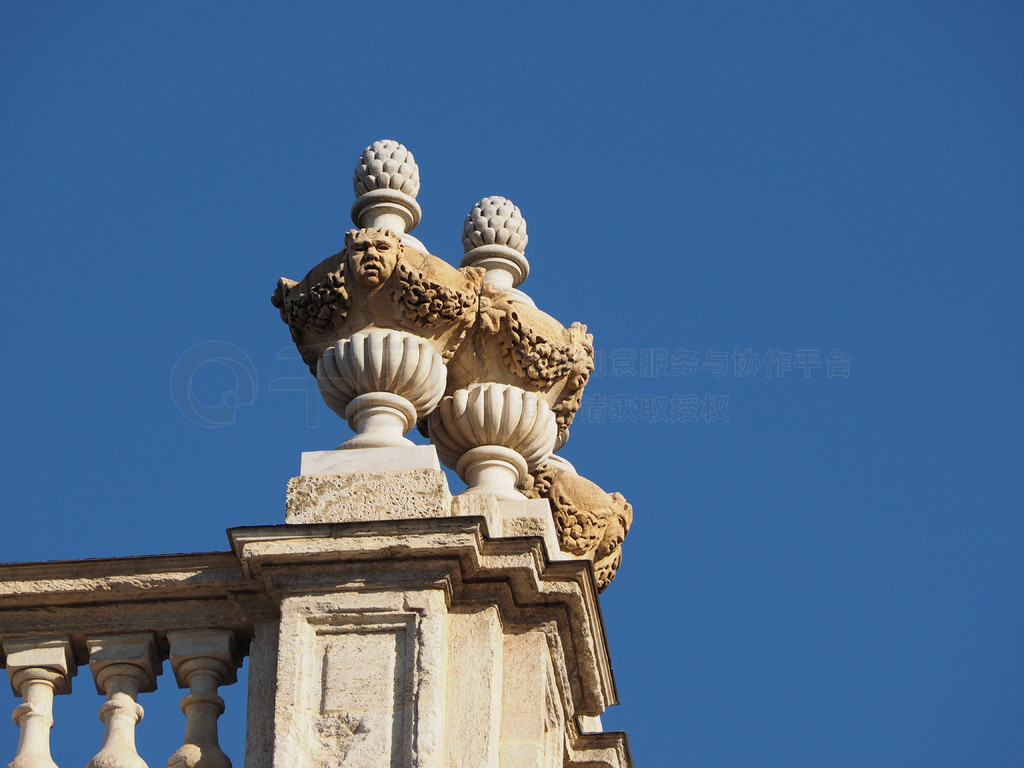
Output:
x=379 y=282
x=427 y=303
x=590 y=523
x=491 y=434
x=386 y=623
x=381 y=382
x=517 y=344
x=396 y=336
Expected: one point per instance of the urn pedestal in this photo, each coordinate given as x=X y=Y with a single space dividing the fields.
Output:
x=382 y=383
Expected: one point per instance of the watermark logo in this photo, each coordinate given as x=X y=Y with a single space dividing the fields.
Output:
x=213 y=379
x=183 y=383
x=772 y=363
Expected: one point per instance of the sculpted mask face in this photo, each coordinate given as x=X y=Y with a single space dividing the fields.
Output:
x=373 y=254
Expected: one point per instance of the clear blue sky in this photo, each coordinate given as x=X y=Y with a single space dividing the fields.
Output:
x=825 y=570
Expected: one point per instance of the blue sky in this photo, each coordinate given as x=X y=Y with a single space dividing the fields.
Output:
x=826 y=562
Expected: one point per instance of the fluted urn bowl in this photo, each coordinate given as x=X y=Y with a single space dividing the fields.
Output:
x=492 y=435
x=381 y=382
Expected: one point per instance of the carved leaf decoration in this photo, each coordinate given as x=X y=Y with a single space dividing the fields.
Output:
x=493 y=310
x=579 y=530
x=589 y=522
x=428 y=303
x=319 y=306
x=606 y=568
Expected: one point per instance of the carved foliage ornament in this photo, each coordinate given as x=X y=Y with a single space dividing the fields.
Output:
x=537 y=359
x=427 y=303
x=377 y=281
x=590 y=523
x=321 y=305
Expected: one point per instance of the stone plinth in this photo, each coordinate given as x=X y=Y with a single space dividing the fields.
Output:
x=367 y=496
x=418 y=629
x=426 y=642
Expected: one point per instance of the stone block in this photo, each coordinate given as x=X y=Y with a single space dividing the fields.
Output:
x=532 y=720
x=39 y=652
x=137 y=649
x=215 y=644
x=365 y=496
x=483 y=505
x=358 y=680
x=344 y=461
x=531 y=517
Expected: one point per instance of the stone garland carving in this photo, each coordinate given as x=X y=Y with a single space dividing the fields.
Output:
x=377 y=281
x=426 y=303
x=320 y=306
x=375 y=269
x=590 y=523
x=538 y=360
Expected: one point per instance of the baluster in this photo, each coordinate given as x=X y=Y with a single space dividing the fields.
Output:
x=38 y=668
x=122 y=666
x=202 y=661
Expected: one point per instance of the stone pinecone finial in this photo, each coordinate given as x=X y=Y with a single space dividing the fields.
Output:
x=386 y=181
x=494 y=221
x=386 y=164
x=494 y=237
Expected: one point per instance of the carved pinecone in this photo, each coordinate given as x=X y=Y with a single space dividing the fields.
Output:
x=494 y=220
x=386 y=164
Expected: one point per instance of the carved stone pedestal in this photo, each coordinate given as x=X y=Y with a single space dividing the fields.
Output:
x=411 y=637
x=414 y=628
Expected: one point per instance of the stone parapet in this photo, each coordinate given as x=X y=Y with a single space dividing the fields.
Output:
x=432 y=640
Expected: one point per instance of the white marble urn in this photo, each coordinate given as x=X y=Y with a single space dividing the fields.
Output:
x=382 y=382
x=492 y=435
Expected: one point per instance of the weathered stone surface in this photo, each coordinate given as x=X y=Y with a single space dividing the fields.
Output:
x=426 y=643
x=388 y=641
x=474 y=691
x=379 y=282
x=376 y=697
x=380 y=495
x=483 y=505
x=532 y=718
x=591 y=523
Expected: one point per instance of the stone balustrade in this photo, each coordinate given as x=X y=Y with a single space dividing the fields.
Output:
x=412 y=629
x=122 y=618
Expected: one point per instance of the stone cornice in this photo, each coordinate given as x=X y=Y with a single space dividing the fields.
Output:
x=154 y=594
x=457 y=554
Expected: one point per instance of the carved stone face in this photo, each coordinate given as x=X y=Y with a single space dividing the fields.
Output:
x=373 y=254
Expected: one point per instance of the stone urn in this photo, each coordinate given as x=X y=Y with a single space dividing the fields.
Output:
x=376 y=322
x=513 y=342
x=493 y=435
